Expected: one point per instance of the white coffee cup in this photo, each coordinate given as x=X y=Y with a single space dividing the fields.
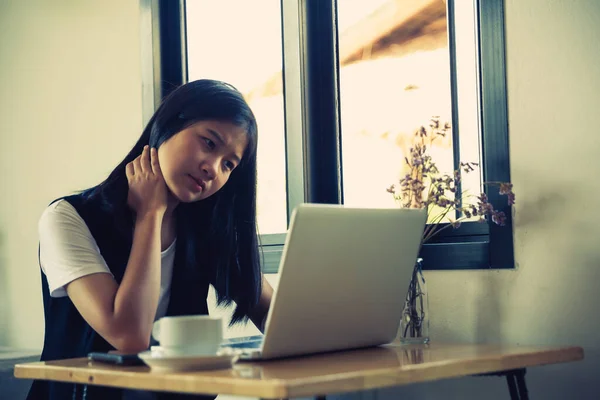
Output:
x=189 y=334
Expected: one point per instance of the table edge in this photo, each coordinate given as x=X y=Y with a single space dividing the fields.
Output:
x=344 y=382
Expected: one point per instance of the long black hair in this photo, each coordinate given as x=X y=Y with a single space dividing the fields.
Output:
x=222 y=228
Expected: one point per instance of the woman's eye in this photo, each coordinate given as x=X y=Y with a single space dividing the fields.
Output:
x=209 y=143
x=229 y=165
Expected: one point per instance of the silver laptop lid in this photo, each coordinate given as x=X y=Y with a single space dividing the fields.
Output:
x=344 y=273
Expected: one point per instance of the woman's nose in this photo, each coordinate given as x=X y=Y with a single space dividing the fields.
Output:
x=209 y=168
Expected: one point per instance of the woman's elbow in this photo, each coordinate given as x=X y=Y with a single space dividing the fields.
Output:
x=127 y=337
x=131 y=343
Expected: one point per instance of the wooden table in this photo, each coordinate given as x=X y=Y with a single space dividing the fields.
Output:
x=319 y=375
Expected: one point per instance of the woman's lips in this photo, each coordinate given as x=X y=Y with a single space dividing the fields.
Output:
x=197 y=184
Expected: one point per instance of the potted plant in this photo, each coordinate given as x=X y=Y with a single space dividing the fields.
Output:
x=424 y=186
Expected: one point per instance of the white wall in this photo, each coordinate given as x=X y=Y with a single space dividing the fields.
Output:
x=70 y=79
x=70 y=109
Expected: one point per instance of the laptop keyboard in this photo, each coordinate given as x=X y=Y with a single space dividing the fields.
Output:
x=246 y=345
x=249 y=342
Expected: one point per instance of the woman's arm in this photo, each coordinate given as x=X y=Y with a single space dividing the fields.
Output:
x=123 y=314
x=259 y=314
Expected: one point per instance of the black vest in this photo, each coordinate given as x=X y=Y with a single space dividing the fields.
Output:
x=68 y=335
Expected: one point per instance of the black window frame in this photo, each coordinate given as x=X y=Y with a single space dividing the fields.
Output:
x=474 y=245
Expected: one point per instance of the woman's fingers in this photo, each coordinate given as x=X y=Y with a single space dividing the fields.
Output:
x=147 y=188
x=137 y=169
x=154 y=162
x=145 y=160
x=129 y=171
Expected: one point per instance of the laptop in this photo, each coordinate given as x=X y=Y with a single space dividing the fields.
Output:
x=344 y=273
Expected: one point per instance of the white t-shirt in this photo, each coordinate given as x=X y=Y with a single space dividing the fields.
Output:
x=69 y=251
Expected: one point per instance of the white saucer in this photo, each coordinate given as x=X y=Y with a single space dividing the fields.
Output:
x=160 y=362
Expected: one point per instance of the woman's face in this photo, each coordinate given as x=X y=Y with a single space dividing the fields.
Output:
x=197 y=161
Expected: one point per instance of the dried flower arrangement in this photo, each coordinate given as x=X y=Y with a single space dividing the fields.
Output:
x=424 y=186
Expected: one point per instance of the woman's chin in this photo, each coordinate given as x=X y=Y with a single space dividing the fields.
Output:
x=189 y=197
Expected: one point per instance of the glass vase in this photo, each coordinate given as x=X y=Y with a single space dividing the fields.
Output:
x=414 y=325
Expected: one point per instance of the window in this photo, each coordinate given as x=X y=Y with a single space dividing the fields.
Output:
x=394 y=64
x=359 y=78
x=214 y=53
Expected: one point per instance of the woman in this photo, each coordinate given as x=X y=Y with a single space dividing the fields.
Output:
x=177 y=214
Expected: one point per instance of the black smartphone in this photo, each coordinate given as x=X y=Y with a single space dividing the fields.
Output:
x=117 y=359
